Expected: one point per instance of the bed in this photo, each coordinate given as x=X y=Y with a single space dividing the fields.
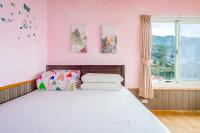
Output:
x=81 y=111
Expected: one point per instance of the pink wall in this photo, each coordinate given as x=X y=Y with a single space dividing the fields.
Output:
x=22 y=59
x=122 y=13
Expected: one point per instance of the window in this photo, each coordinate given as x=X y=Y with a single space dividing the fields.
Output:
x=175 y=49
x=190 y=52
x=163 y=51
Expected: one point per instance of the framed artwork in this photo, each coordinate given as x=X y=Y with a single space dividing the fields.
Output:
x=78 y=39
x=109 y=39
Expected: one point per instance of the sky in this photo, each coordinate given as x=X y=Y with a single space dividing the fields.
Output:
x=187 y=30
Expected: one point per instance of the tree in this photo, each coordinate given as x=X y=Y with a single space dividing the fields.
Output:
x=161 y=66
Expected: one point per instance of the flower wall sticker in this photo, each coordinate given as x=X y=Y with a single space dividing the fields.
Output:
x=13 y=12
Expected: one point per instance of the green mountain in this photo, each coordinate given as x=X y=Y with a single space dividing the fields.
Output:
x=169 y=40
x=163 y=40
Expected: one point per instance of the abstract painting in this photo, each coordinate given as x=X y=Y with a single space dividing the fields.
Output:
x=79 y=39
x=109 y=39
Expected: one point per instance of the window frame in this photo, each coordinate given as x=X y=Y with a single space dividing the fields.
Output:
x=178 y=21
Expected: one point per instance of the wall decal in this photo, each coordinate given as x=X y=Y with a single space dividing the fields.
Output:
x=79 y=39
x=109 y=39
x=7 y=20
x=27 y=8
x=1 y=5
x=12 y=4
x=22 y=14
x=25 y=24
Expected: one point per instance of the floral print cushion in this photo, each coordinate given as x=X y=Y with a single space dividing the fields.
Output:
x=59 y=80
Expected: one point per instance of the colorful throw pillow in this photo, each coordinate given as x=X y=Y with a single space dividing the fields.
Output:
x=59 y=80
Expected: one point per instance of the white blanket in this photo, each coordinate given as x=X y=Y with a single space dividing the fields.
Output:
x=81 y=111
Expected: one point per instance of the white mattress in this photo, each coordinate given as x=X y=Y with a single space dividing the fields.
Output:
x=82 y=111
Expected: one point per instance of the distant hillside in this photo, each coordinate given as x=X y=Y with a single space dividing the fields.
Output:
x=163 y=40
x=168 y=40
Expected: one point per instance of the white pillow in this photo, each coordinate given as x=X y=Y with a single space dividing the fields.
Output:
x=102 y=78
x=101 y=86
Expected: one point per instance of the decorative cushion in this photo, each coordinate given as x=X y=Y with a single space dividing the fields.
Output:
x=59 y=80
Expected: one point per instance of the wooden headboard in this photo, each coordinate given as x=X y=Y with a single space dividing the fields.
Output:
x=112 y=69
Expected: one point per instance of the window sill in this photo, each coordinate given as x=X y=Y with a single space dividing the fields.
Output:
x=177 y=86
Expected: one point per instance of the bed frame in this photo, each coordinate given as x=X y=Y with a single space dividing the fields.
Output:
x=112 y=69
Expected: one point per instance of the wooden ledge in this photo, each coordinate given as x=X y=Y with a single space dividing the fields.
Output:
x=170 y=88
x=176 y=111
x=17 y=84
x=177 y=86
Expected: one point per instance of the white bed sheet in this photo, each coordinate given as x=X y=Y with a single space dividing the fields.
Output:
x=81 y=111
